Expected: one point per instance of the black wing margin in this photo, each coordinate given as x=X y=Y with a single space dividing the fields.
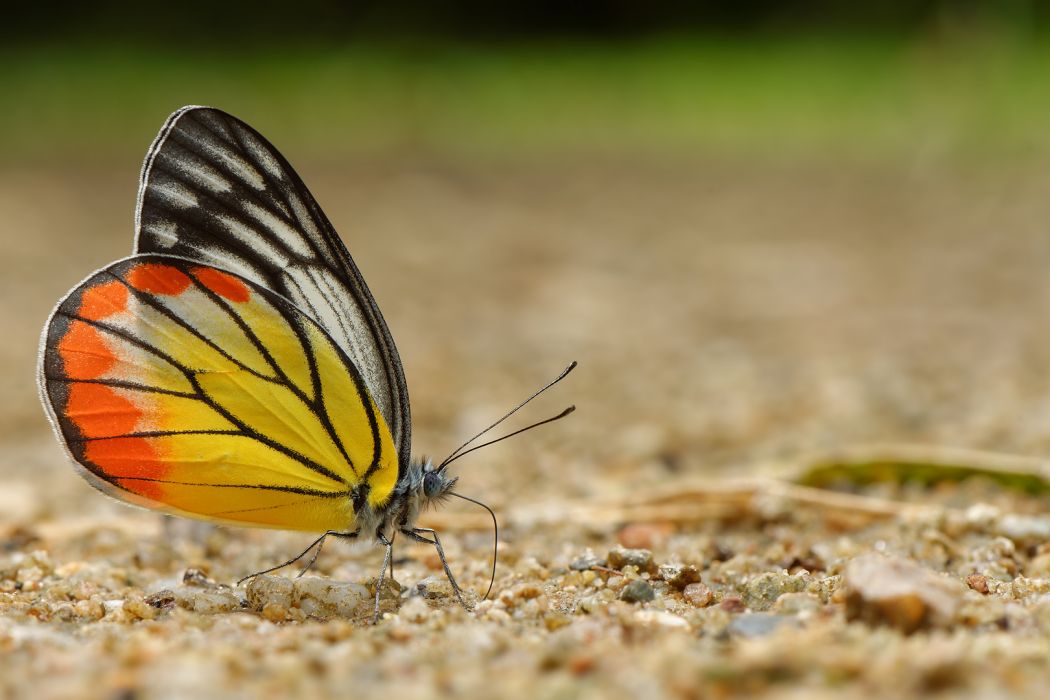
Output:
x=215 y=190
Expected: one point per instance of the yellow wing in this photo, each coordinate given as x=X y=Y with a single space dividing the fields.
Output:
x=192 y=390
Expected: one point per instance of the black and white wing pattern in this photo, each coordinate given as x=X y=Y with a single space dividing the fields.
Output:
x=214 y=190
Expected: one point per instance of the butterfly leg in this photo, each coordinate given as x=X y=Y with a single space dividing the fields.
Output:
x=318 y=543
x=414 y=534
x=387 y=560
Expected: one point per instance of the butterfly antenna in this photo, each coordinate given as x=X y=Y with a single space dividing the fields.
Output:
x=458 y=452
x=495 y=537
x=561 y=415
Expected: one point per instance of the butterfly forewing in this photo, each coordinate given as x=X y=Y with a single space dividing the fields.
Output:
x=180 y=386
x=215 y=191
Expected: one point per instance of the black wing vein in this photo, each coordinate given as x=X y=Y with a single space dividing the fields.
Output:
x=305 y=261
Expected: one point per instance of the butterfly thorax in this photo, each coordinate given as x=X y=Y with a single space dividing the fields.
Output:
x=420 y=486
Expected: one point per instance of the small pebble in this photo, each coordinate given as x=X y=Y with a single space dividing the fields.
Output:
x=435 y=588
x=323 y=598
x=415 y=610
x=208 y=601
x=763 y=590
x=679 y=575
x=756 y=624
x=899 y=593
x=586 y=562
x=640 y=558
x=592 y=603
x=275 y=612
x=698 y=594
x=661 y=618
x=978 y=583
x=161 y=600
x=732 y=604
x=196 y=577
x=637 y=591
x=141 y=609
x=114 y=605
x=264 y=590
x=89 y=609
x=527 y=591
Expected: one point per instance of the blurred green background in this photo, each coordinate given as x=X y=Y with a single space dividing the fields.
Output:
x=540 y=171
x=803 y=78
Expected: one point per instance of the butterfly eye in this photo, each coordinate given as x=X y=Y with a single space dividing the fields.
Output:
x=432 y=484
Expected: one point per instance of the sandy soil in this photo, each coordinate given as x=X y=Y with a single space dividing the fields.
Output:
x=728 y=319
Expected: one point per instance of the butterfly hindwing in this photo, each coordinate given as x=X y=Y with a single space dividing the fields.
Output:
x=184 y=387
x=215 y=191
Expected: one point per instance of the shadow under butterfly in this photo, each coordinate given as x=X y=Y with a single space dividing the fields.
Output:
x=236 y=368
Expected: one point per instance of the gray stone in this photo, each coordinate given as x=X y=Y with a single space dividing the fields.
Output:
x=586 y=562
x=756 y=624
x=637 y=591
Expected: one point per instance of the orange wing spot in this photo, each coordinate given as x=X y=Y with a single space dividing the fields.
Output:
x=96 y=303
x=124 y=458
x=84 y=353
x=148 y=489
x=223 y=284
x=158 y=279
x=98 y=411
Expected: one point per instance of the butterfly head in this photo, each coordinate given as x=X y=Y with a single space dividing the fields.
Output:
x=435 y=484
x=423 y=485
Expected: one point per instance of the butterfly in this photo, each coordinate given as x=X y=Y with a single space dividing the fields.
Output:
x=236 y=368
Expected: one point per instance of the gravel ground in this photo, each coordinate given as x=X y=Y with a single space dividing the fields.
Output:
x=730 y=320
